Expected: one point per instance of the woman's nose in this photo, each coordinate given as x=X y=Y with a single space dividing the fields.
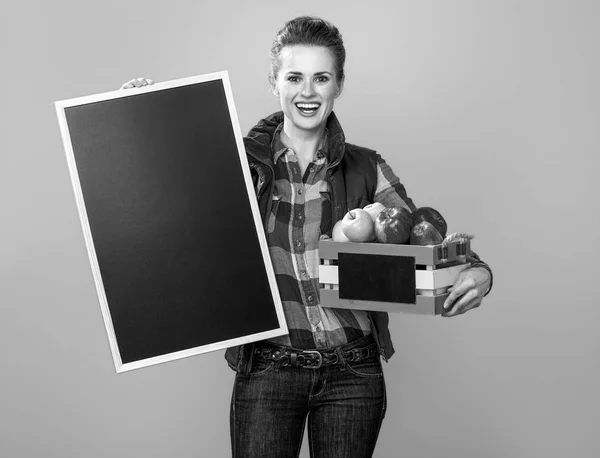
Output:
x=308 y=89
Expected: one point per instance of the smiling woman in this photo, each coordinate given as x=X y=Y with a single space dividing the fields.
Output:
x=328 y=368
x=307 y=87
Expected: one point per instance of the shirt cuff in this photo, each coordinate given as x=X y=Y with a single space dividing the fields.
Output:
x=486 y=267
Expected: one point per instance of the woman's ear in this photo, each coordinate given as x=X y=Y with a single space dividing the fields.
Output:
x=340 y=88
x=273 y=84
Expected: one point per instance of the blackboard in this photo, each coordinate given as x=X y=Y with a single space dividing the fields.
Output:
x=170 y=220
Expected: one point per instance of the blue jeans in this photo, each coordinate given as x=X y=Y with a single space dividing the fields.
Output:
x=345 y=404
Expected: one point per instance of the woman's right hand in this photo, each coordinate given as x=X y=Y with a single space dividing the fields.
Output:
x=137 y=82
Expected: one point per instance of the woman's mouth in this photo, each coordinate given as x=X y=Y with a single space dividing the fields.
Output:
x=307 y=108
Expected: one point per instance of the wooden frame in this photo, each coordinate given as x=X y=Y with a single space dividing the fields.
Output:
x=87 y=129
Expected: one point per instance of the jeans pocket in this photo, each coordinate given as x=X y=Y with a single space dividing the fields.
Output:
x=368 y=368
x=260 y=368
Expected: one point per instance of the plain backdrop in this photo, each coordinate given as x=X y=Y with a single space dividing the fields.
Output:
x=488 y=111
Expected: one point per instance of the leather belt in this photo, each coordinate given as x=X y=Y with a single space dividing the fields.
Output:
x=312 y=359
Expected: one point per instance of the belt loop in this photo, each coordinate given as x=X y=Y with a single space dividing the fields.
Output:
x=294 y=359
x=341 y=359
x=247 y=357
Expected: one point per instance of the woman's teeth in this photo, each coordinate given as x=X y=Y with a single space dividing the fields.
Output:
x=308 y=107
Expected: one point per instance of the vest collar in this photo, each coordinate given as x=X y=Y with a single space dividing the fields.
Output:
x=259 y=140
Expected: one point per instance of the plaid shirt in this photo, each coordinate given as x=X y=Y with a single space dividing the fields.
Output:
x=301 y=212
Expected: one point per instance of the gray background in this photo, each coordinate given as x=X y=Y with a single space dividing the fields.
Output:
x=487 y=110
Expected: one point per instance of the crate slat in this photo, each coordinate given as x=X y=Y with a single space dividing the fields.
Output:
x=426 y=305
x=425 y=255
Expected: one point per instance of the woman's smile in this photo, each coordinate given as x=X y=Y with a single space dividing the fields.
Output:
x=307 y=108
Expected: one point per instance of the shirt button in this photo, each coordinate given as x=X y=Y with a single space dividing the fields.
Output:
x=314 y=316
x=300 y=191
x=312 y=170
x=318 y=328
x=298 y=244
x=310 y=298
x=299 y=216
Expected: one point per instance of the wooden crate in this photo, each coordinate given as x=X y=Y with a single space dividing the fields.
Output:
x=388 y=277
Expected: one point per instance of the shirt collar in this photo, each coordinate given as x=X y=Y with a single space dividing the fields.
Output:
x=280 y=149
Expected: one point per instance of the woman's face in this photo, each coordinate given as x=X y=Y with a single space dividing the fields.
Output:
x=306 y=85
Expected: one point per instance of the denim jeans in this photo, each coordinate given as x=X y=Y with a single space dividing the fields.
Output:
x=345 y=405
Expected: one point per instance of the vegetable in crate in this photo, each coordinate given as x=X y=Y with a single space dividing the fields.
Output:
x=337 y=234
x=358 y=226
x=424 y=233
x=393 y=225
x=374 y=210
x=432 y=216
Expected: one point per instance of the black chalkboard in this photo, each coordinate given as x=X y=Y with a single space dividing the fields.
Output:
x=377 y=277
x=170 y=220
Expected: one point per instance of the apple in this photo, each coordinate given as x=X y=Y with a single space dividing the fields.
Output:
x=337 y=234
x=358 y=226
x=393 y=225
x=374 y=209
x=431 y=215
x=425 y=233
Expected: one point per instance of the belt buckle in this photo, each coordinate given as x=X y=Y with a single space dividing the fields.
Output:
x=319 y=357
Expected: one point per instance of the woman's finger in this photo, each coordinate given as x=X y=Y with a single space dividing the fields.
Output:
x=460 y=303
x=127 y=85
x=458 y=289
x=468 y=301
x=137 y=82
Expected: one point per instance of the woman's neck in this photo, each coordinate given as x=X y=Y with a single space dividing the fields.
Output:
x=303 y=142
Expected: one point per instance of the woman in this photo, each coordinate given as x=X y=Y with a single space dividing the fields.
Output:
x=307 y=177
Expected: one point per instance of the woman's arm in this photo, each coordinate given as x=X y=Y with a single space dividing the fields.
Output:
x=470 y=287
x=390 y=191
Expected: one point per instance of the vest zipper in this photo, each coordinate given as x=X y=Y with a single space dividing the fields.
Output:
x=336 y=207
x=261 y=190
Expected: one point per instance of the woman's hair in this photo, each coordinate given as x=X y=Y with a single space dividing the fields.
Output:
x=309 y=31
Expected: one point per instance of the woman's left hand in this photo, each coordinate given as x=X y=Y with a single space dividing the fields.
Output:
x=467 y=292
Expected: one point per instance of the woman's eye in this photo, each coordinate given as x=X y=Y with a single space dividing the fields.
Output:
x=293 y=79
x=322 y=79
